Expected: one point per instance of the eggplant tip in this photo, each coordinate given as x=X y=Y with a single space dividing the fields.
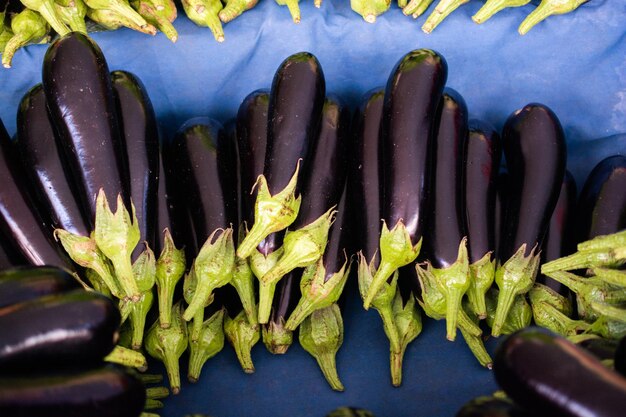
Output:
x=192 y=379
x=249 y=370
x=175 y=390
x=220 y=38
x=370 y=18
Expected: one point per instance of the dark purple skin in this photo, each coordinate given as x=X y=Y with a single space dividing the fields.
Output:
x=491 y=407
x=286 y=297
x=294 y=114
x=57 y=330
x=412 y=97
x=232 y=180
x=80 y=98
x=534 y=147
x=251 y=141
x=338 y=249
x=364 y=176
x=19 y=222
x=482 y=164
x=601 y=348
x=559 y=240
x=107 y=391
x=447 y=225
x=27 y=283
x=9 y=256
x=141 y=139
x=502 y=193
x=543 y=372
x=41 y=160
x=200 y=153
x=620 y=357
x=602 y=203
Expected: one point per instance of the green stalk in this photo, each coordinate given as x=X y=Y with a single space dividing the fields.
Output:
x=235 y=8
x=482 y=274
x=615 y=277
x=293 y=7
x=542 y=293
x=48 y=11
x=604 y=242
x=370 y=9
x=112 y=20
x=416 y=8
x=242 y=336
x=72 y=13
x=617 y=313
x=27 y=27
x=127 y=357
x=612 y=257
x=204 y=13
x=408 y=323
x=243 y=282
x=153 y=404
x=546 y=9
x=157 y=393
x=443 y=9
x=157 y=17
x=260 y=264
x=138 y=313
x=170 y=268
x=5 y=35
x=121 y=7
x=491 y=7
x=209 y=343
x=476 y=345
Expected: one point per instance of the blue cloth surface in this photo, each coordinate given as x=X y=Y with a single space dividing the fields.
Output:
x=575 y=64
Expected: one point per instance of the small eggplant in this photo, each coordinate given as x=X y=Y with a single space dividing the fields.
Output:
x=482 y=163
x=294 y=114
x=109 y=391
x=534 y=147
x=69 y=328
x=412 y=97
x=26 y=283
x=543 y=372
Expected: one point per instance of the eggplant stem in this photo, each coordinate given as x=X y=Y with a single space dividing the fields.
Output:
x=49 y=13
x=200 y=297
x=173 y=372
x=443 y=9
x=546 y=9
x=491 y=7
x=476 y=345
x=389 y=326
x=294 y=10
x=266 y=296
x=611 y=276
x=166 y=298
x=328 y=365
x=157 y=393
x=384 y=271
x=196 y=325
x=395 y=362
x=604 y=242
x=129 y=13
x=505 y=301
x=127 y=357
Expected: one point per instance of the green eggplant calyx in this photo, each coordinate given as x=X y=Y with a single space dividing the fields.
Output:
x=546 y=9
x=242 y=336
x=416 y=8
x=127 y=357
x=302 y=247
x=550 y=317
x=482 y=274
x=611 y=257
x=604 y=242
x=477 y=346
x=408 y=322
x=209 y=343
x=47 y=10
x=515 y=277
x=243 y=281
x=138 y=313
x=157 y=393
x=276 y=337
x=321 y=335
x=396 y=250
x=370 y=9
x=170 y=268
x=542 y=293
x=272 y=213
x=27 y=26
x=491 y=7
x=615 y=277
x=443 y=9
x=317 y=291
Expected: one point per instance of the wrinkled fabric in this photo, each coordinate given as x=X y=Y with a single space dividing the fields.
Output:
x=575 y=64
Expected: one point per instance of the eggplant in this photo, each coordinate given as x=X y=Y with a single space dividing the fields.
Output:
x=482 y=163
x=107 y=391
x=620 y=357
x=202 y=158
x=412 y=98
x=322 y=186
x=56 y=330
x=445 y=241
x=80 y=99
x=43 y=165
x=19 y=222
x=559 y=240
x=534 y=147
x=491 y=407
x=502 y=198
x=294 y=114
x=139 y=129
x=27 y=283
x=602 y=204
x=543 y=372
x=9 y=256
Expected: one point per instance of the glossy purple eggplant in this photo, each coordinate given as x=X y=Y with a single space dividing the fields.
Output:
x=19 y=221
x=602 y=202
x=543 y=372
x=42 y=163
x=412 y=97
x=534 y=147
x=620 y=357
x=79 y=94
x=20 y=284
x=294 y=114
x=482 y=163
x=140 y=133
x=559 y=240
x=502 y=198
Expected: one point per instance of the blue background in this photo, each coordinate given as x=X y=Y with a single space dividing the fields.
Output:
x=575 y=64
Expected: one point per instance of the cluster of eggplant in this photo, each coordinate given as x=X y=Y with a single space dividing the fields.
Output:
x=544 y=374
x=57 y=342
x=369 y=9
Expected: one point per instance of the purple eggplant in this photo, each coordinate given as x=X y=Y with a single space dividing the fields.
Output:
x=139 y=129
x=43 y=165
x=79 y=95
x=559 y=240
x=534 y=147
x=502 y=198
x=19 y=221
x=294 y=114
x=412 y=97
x=202 y=157
x=482 y=163
x=602 y=202
x=543 y=372
x=20 y=284
x=445 y=241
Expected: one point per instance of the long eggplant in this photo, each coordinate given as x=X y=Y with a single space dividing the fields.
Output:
x=79 y=94
x=602 y=202
x=41 y=160
x=543 y=372
x=412 y=97
x=322 y=186
x=18 y=220
x=139 y=129
x=9 y=255
x=534 y=147
x=559 y=240
x=101 y=392
x=482 y=164
x=294 y=114
x=59 y=329
x=445 y=241
x=27 y=283
x=502 y=198
x=202 y=159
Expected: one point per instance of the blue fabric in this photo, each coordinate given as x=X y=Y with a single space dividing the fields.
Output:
x=576 y=64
